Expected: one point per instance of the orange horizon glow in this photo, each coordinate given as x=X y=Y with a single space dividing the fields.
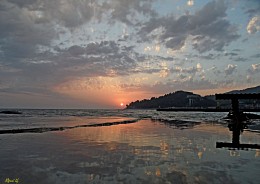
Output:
x=108 y=93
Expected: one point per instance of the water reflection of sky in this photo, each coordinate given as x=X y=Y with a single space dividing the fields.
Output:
x=143 y=152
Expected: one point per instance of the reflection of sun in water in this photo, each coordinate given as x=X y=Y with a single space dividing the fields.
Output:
x=121 y=104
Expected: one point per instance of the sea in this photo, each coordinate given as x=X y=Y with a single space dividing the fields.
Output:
x=78 y=146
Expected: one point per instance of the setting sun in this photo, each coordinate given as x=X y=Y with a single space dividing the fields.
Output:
x=121 y=104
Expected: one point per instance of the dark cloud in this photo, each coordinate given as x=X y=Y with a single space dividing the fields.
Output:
x=64 y=12
x=208 y=26
x=70 y=13
x=46 y=70
x=102 y=48
x=44 y=43
x=231 y=54
x=235 y=56
x=256 y=56
x=240 y=59
x=27 y=25
x=97 y=59
x=214 y=36
x=31 y=4
x=253 y=9
x=209 y=56
x=165 y=58
x=19 y=35
x=125 y=11
x=176 y=43
x=236 y=50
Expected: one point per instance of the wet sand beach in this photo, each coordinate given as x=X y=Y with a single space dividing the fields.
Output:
x=146 y=151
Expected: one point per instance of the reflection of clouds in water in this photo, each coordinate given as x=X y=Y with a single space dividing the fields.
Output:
x=200 y=154
x=234 y=153
x=164 y=147
x=257 y=153
x=153 y=148
x=143 y=152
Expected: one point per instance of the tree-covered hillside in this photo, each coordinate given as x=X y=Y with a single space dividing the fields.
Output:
x=176 y=99
x=188 y=99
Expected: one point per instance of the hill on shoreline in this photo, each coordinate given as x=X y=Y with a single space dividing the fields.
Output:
x=247 y=90
x=176 y=99
x=183 y=99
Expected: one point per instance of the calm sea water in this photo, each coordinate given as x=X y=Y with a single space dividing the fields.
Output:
x=124 y=146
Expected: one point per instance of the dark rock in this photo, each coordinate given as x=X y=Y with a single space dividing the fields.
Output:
x=10 y=112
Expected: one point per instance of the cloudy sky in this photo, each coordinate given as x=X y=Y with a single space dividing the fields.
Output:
x=100 y=53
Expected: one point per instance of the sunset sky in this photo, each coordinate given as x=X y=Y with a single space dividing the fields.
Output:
x=101 y=53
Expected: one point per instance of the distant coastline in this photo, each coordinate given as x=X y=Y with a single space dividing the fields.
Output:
x=188 y=101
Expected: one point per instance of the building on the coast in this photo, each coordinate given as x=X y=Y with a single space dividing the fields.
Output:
x=193 y=99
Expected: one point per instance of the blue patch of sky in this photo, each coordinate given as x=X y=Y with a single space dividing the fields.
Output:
x=236 y=15
x=176 y=7
x=248 y=43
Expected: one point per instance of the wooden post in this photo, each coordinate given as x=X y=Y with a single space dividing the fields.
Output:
x=235 y=107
